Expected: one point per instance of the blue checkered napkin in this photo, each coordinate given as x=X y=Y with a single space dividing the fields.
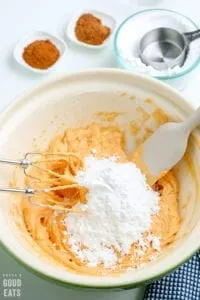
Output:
x=183 y=284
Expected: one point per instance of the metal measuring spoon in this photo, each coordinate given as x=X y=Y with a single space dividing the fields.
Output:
x=164 y=48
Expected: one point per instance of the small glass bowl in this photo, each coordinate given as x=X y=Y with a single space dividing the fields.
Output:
x=160 y=18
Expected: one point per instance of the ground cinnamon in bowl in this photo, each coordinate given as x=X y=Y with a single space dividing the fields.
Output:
x=90 y=30
x=41 y=54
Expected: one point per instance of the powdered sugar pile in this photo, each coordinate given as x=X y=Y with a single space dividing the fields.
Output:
x=119 y=208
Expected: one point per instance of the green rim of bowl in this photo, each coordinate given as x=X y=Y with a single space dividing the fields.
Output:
x=127 y=66
x=87 y=287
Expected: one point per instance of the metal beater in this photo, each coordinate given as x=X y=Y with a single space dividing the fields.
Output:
x=25 y=163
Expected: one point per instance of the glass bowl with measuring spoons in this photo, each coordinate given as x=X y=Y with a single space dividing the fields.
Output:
x=164 y=48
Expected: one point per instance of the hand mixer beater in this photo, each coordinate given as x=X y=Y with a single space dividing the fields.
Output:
x=55 y=179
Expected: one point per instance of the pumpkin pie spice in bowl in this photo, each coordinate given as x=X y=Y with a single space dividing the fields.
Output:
x=91 y=29
x=118 y=102
x=39 y=52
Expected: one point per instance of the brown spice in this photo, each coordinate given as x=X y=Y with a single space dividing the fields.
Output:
x=157 y=187
x=90 y=30
x=41 y=54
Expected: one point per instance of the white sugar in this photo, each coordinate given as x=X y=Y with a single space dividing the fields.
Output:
x=120 y=205
x=134 y=29
x=156 y=243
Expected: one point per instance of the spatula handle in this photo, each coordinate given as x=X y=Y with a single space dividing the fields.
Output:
x=192 y=121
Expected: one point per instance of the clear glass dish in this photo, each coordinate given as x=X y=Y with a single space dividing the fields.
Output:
x=160 y=18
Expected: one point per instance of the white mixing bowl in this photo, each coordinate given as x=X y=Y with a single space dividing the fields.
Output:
x=73 y=100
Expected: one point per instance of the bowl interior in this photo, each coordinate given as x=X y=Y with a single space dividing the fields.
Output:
x=74 y=100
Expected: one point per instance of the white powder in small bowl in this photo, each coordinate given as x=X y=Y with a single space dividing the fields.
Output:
x=131 y=32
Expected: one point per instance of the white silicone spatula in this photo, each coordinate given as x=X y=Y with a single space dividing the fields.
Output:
x=164 y=148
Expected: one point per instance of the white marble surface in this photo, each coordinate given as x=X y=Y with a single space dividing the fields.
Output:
x=23 y=16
